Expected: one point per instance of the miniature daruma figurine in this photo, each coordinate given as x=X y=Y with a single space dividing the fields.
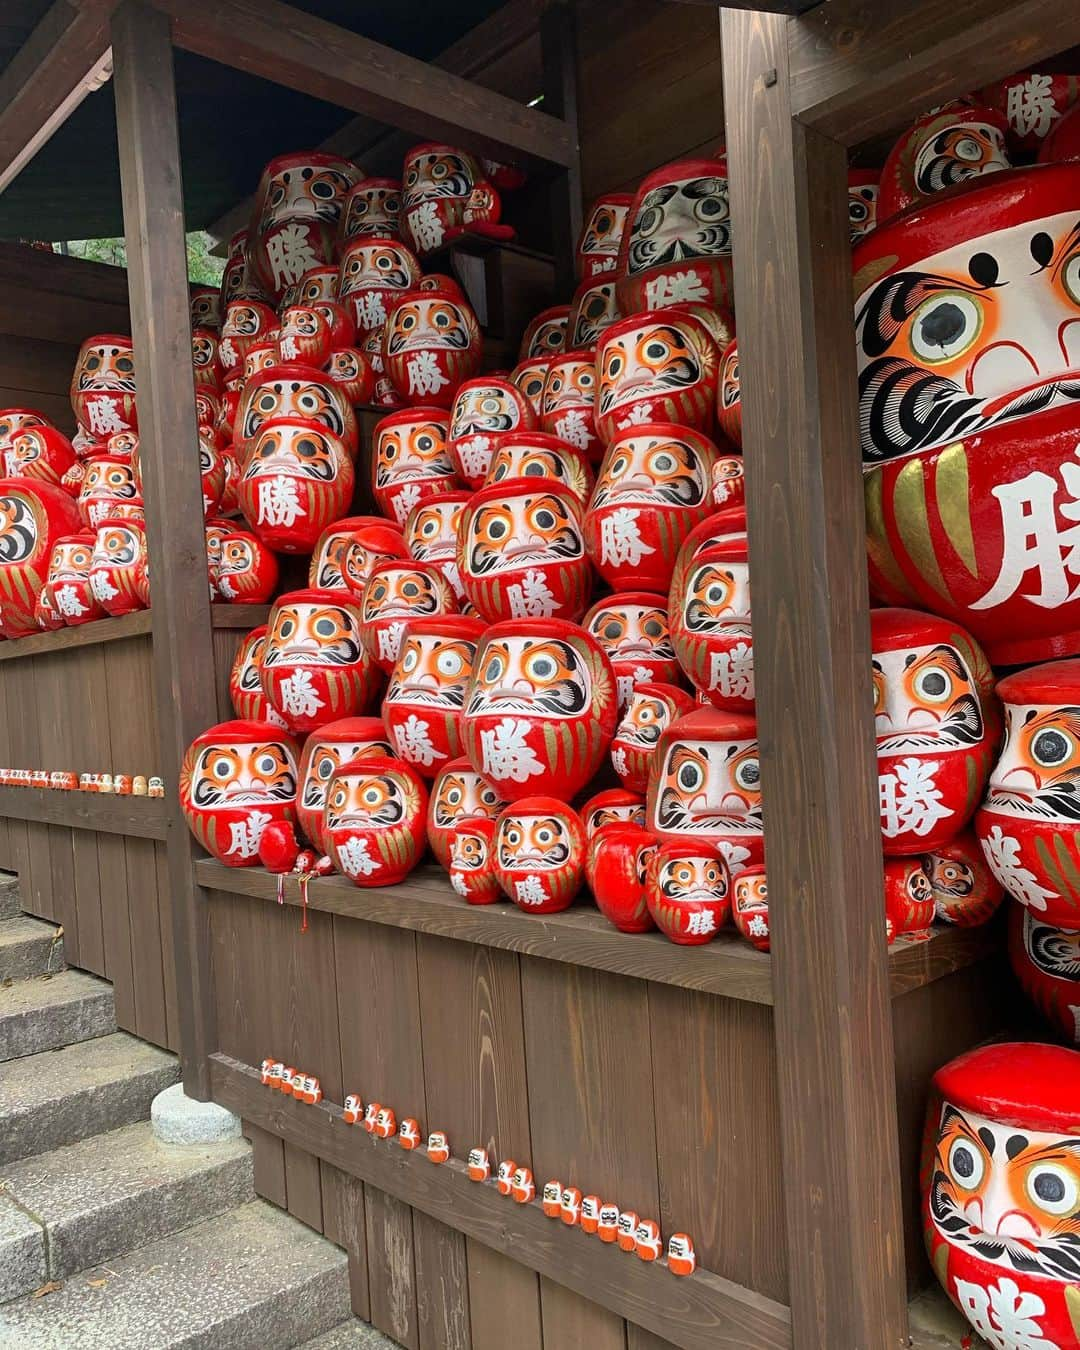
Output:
x=483 y=407
x=118 y=573
x=33 y=516
x=966 y=892
x=459 y=792
x=616 y=864
x=325 y=751
x=1029 y=824
x=909 y=900
x=632 y=628
x=372 y=271
x=297 y=478
x=395 y=594
x=108 y=483
x=568 y=404
x=424 y=700
x=546 y=334
x=598 y=243
x=411 y=462
x=863 y=188
x=652 y=488
x=103 y=386
x=938 y=725
x=541 y=709
x=651 y=710
x=248 y=571
x=245 y=683
x=235 y=779
x=750 y=906
x=431 y=343
x=521 y=552
x=472 y=861
x=540 y=854
x=656 y=366
x=1046 y=961
x=314 y=667
x=374 y=820
x=1001 y=1192
x=688 y=891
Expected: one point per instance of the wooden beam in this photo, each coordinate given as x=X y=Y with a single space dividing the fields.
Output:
x=63 y=59
x=861 y=70
x=767 y=6
x=814 y=705
x=702 y=1313
x=168 y=441
x=280 y=43
x=142 y=817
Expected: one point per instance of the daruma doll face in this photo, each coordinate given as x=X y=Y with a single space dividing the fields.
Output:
x=374 y=820
x=325 y=751
x=458 y=792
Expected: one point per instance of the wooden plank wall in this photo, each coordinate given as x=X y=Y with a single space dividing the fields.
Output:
x=663 y=1100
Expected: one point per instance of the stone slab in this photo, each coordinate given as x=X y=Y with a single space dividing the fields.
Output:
x=29 y=947
x=10 y=902
x=53 y=1011
x=352 y=1335
x=177 y=1118
x=22 y=1252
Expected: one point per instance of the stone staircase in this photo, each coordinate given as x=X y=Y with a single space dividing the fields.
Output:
x=110 y=1239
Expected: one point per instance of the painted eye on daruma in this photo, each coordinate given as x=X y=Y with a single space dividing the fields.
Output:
x=449 y=664
x=966 y=1165
x=691 y=777
x=1053 y=1188
x=945 y=326
x=1051 y=748
x=934 y=684
x=748 y=775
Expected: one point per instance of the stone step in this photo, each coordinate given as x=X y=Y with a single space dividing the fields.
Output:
x=105 y=1196
x=62 y=1096
x=352 y=1335
x=29 y=947
x=251 y=1279
x=53 y=1011
x=10 y=904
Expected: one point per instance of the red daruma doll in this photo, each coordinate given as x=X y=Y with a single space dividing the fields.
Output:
x=472 y=861
x=103 y=386
x=32 y=517
x=411 y=462
x=118 y=573
x=236 y=778
x=458 y=791
x=431 y=343
x=374 y=820
x=245 y=682
x=68 y=582
x=297 y=478
x=541 y=708
x=656 y=366
x=426 y=694
x=540 y=854
x=325 y=751
x=314 y=667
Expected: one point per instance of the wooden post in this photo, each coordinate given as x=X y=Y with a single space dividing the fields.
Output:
x=814 y=705
x=168 y=447
x=558 y=51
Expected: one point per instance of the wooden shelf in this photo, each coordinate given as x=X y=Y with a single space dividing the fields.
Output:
x=143 y=817
x=701 y=1312
x=115 y=630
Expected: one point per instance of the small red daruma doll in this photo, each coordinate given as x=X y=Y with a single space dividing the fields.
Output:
x=614 y=806
x=371 y=1116
x=374 y=820
x=688 y=891
x=540 y=854
x=521 y=552
x=909 y=901
x=103 y=386
x=472 y=861
x=1001 y=1191
x=33 y=516
x=297 y=478
x=385 y=1123
x=236 y=778
x=594 y=307
x=966 y=893
x=538 y=455
x=369 y=538
x=522 y=1186
x=248 y=571
x=729 y=396
x=710 y=617
x=1046 y=962
x=546 y=334
x=15 y=420
x=944 y=147
x=504 y=1176
x=372 y=270
x=656 y=366
x=314 y=667
x=482 y=408
x=479 y=1164
x=653 y=488
x=411 y=463
x=627 y=1230
x=598 y=244
x=372 y=208
x=395 y=594
x=438 y=1147
x=248 y=324
x=590 y=1214
x=42 y=453
x=325 y=751
x=568 y=403
x=617 y=858
x=863 y=188
x=457 y=793
x=728 y=482
x=938 y=726
x=352 y=1109
x=118 y=567
x=652 y=708
x=750 y=906
x=245 y=682
x=409 y=1134
x=632 y=628
x=109 y=482
x=647 y=1240
x=431 y=535
x=680 y=1255
x=431 y=343
x=570 y=1206
x=541 y=710
x=351 y=371
x=1029 y=824
x=68 y=581
x=424 y=700
x=706 y=782
x=529 y=377
x=205 y=361
x=304 y=335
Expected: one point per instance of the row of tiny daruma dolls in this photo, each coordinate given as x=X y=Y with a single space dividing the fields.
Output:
x=64 y=780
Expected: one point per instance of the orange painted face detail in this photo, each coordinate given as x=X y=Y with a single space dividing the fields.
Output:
x=310 y=634
x=710 y=785
x=243 y=775
x=107 y=366
x=651 y=469
x=525 y=530
x=369 y=801
x=294 y=398
x=925 y=699
x=296 y=451
x=651 y=360
x=384 y=265
x=411 y=451
x=463 y=794
x=442 y=173
x=533 y=841
x=70 y=560
x=401 y=591
x=530 y=676
x=310 y=191
x=431 y=531
x=432 y=671
x=425 y=323
x=1038 y=773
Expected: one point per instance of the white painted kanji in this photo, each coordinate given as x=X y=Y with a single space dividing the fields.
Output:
x=910 y=798
x=474 y=452
x=390 y=641
x=102 y=587
x=618 y=761
x=104 y=419
x=640 y=412
x=427 y=229
x=682 y=288
x=1032 y=541
x=298 y=695
x=414 y=743
x=624 y=690
x=532 y=599
x=507 y=754
x=701 y=923
x=356 y=859
x=1004 y=1315
x=1030 y=106
x=574 y=429
x=227 y=352
x=620 y=538
x=406 y=499
x=459 y=884
x=757 y=926
x=290 y=255
x=68 y=602
x=731 y=672
x=1003 y=855
x=287 y=347
x=244 y=835
x=371 y=313
x=425 y=377
x=530 y=890
x=279 y=501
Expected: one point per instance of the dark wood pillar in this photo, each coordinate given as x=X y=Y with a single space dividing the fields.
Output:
x=558 y=49
x=814 y=704
x=168 y=447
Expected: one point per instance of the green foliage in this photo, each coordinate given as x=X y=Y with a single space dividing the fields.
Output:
x=203 y=269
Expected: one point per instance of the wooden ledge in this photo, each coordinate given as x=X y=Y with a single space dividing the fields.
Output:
x=142 y=817
x=701 y=1312
x=115 y=630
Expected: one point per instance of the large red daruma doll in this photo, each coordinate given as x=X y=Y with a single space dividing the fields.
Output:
x=424 y=700
x=938 y=725
x=297 y=478
x=541 y=708
x=1001 y=1192
x=411 y=463
x=653 y=488
x=705 y=781
x=103 y=386
x=1029 y=824
x=314 y=667
x=656 y=366
x=1046 y=962
x=33 y=516
x=374 y=820
x=236 y=778
x=521 y=552
x=968 y=331
x=325 y=751
x=431 y=343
